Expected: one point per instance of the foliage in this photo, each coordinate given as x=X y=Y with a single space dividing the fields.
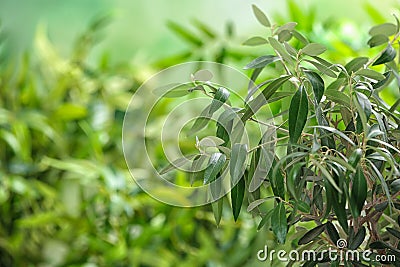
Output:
x=337 y=158
x=66 y=196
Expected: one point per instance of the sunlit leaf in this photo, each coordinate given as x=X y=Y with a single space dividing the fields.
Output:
x=279 y=222
x=261 y=17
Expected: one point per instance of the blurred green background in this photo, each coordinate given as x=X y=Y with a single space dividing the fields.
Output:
x=66 y=196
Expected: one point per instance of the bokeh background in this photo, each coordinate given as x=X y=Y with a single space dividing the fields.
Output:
x=67 y=72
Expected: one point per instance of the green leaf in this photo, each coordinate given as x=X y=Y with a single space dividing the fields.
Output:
x=358 y=239
x=312 y=234
x=261 y=62
x=322 y=68
x=184 y=33
x=265 y=156
x=300 y=37
x=237 y=162
x=388 y=55
x=337 y=97
x=220 y=97
x=200 y=122
x=365 y=104
x=371 y=74
x=317 y=84
x=335 y=131
x=174 y=90
x=303 y=206
x=386 y=29
x=278 y=184
x=265 y=219
x=393 y=232
x=215 y=165
x=280 y=49
x=356 y=64
x=292 y=180
x=255 y=41
x=358 y=193
x=262 y=98
x=279 y=223
x=327 y=175
x=298 y=112
x=261 y=17
x=217 y=207
x=237 y=195
x=313 y=49
x=332 y=232
x=377 y=40
x=284 y=36
x=197 y=168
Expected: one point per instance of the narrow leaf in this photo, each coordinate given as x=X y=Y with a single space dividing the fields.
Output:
x=317 y=83
x=255 y=41
x=220 y=97
x=312 y=234
x=237 y=195
x=388 y=55
x=313 y=49
x=261 y=17
x=298 y=112
x=279 y=223
x=332 y=232
x=237 y=162
x=215 y=164
x=358 y=239
x=217 y=207
x=261 y=62
x=358 y=193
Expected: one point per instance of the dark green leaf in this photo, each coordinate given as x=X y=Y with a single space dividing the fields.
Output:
x=393 y=232
x=292 y=180
x=217 y=207
x=386 y=29
x=278 y=184
x=332 y=232
x=279 y=223
x=378 y=245
x=220 y=97
x=265 y=157
x=388 y=55
x=255 y=41
x=365 y=104
x=261 y=62
x=395 y=186
x=312 y=234
x=262 y=98
x=378 y=40
x=358 y=239
x=237 y=195
x=298 y=112
x=261 y=17
x=237 y=162
x=358 y=193
x=265 y=219
x=303 y=206
x=382 y=206
x=215 y=164
x=317 y=84
x=313 y=49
